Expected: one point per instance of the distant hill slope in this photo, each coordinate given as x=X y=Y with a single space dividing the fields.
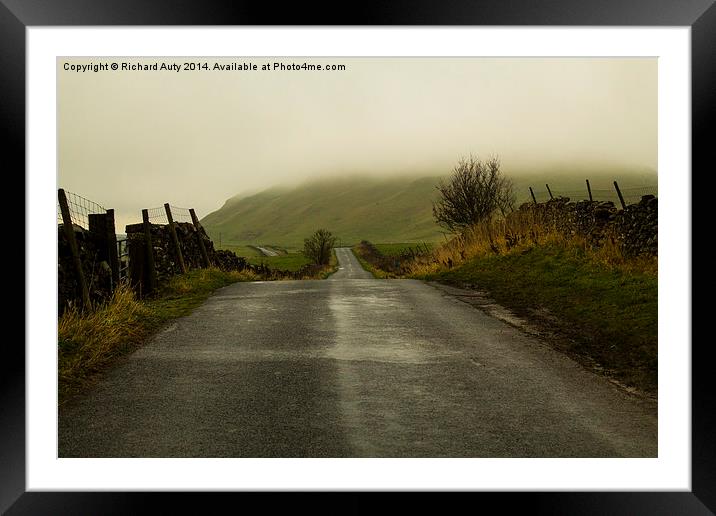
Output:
x=382 y=210
x=379 y=210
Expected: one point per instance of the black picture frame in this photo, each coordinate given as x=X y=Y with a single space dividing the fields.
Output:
x=17 y=15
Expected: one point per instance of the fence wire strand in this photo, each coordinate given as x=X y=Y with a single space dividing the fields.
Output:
x=631 y=195
x=80 y=208
x=158 y=215
x=180 y=214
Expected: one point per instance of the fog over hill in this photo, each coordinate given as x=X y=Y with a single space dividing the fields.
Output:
x=353 y=208
x=380 y=209
x=135 y=140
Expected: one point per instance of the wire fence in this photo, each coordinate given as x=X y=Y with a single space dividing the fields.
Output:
x=93 y=260
x=123 y=257
x=181 y=214
x=631 y=195
x=79 y=208
x=159 y=215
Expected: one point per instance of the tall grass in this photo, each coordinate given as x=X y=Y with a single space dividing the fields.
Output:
x=402 y=249
x=88 y=339
x=519 y=232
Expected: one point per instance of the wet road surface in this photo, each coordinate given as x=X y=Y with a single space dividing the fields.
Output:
x=267 y=252
x=351 y=367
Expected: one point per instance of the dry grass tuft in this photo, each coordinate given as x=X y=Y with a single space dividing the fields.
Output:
x=521 y=232
x=87 y=340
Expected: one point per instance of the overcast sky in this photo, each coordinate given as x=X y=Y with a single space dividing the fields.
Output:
x=136 y=139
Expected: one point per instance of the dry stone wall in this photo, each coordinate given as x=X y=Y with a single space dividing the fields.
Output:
x=637 y=227
x=634 y=229
x=166 y=262
x=167 y=265
x=95 y=266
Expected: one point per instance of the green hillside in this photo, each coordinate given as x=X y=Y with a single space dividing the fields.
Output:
x=381 y=210
x=353 y=209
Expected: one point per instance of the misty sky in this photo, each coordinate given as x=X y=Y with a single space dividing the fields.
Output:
x=136 y=139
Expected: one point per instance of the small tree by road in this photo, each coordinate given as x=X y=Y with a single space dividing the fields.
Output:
x=318 y=247
x=474 y=192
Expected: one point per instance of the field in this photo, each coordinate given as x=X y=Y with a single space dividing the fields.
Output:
x=285 y=262
x=246 y=251
x=290 y=259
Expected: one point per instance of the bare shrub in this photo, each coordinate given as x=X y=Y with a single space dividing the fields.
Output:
x=318 y=247
x=475 y=192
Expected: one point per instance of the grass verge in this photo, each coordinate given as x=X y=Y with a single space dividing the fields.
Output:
x=363 y=254
x=388 y=260
x=331 y=267
x=89 y=341
x=601 y=314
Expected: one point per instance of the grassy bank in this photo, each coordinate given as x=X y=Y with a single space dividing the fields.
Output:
x=332 y=265
x=388 y=260
x=599 y=313
x=373 y=260
x=397 y=249
x=88 y=342
x=377 y=273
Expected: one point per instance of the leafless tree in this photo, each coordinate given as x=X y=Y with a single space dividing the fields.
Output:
x=506 y=196
x=318 y=246
x=474 y=192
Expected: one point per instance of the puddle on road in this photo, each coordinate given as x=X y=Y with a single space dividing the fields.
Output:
x=366 y=329
x=364 y=322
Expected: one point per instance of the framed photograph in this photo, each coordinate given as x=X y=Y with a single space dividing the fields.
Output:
x=256 y=120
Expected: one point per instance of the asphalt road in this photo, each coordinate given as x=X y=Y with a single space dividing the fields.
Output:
x=348 y=267
x=351 y=367
x=267 y=252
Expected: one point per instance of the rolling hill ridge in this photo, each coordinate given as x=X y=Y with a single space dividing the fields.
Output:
x=382 y=210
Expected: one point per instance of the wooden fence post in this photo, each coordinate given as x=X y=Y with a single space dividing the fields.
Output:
x=151 y=273
x=550 y=192
x=533 y=196
x=175 y=238
x=619 y=193
x=101 y=228
x=112 y=248
x=202 y=247
x=97 y=223
x=74 y=250
x=589 y=190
